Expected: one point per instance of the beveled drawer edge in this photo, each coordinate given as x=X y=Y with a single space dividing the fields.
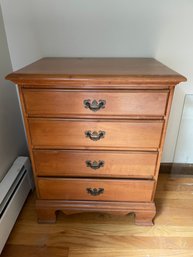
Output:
x=97 y=115
x=59 y=173
x=96 y=90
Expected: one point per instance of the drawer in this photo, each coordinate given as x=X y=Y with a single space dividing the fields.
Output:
x=95 y=189
x=63 y=103
x=85 y=134
x=94 y=163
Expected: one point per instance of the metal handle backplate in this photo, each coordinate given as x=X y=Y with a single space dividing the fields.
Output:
x=95 y=165
x=95 y=136
x=94 y=105
x=95 y=191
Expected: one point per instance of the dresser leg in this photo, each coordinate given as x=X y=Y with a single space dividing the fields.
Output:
x=144 y=212
x=145 y=218
x=45 y=214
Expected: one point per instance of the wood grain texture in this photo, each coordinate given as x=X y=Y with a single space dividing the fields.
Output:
x=144 y=211
x=125 y=252
x=28 y=136
x=63 y=103
x=123 y=70
x=66 y=134
x=136 y=94
x=115 y=163
x=34 y=251
x=169 y=104
x=113 y=190
x=94 y=234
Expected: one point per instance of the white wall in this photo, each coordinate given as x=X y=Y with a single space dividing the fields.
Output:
x=98 y=28
x=184 y=146
x=12 y=139
x=175 y=48
x=20 y=31
x=148 y=28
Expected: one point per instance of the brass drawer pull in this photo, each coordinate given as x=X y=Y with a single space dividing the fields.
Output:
x=94 y=106
x=95 y=165
x=95 y=136
x=95 y=191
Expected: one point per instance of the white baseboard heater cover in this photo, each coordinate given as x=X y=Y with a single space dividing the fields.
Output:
x=14 y=189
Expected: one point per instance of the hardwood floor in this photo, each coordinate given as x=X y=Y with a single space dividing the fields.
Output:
x=94 y=235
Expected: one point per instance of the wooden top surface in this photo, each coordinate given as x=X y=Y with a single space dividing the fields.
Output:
x=131 y=70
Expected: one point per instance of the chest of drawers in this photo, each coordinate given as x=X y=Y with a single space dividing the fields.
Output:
x=95 y=129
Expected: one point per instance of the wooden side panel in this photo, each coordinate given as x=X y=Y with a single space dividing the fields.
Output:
x=28 y=136
x=111 y=190
x=116 y=135
x=94 y=163
x=63 y=103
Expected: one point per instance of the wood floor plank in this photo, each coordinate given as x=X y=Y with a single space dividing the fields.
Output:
x=107 y=252
x=79 y=229
x=183 y=195
x=106 y=241
x=33 y=251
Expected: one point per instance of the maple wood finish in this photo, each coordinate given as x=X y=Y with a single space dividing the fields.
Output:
x=83 y=117
x=68 y=134
x=111 y=190
x=95 y=163
x=64 y=103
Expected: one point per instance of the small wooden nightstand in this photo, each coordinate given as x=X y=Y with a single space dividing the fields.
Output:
x=96 y=128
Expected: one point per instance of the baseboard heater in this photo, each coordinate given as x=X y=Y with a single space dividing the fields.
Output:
x=14 y=189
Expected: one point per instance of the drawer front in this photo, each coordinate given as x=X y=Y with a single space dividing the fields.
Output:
x=95 y=134
x=63 y=103
x=94 y=163
x=95 y=189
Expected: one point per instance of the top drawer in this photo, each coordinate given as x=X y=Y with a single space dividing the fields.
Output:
x=66 y=103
